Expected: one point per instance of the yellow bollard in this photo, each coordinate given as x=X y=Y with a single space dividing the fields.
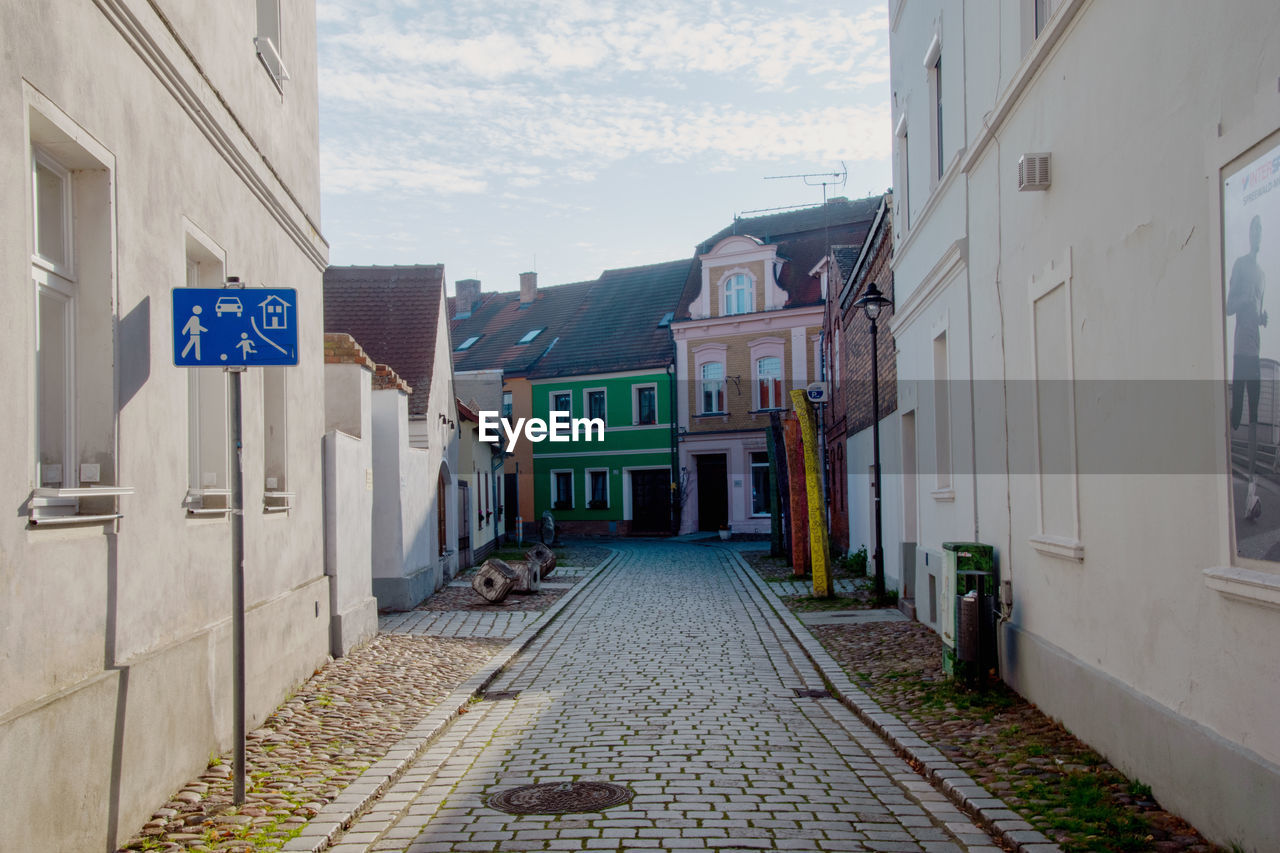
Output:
x=813 y=486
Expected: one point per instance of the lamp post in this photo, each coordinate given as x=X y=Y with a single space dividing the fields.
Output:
x=873 y=302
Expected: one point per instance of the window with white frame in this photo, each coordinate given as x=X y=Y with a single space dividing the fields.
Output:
x=712 y=386
x=1042 y=11
x=276 y=495
x=73 y=292
x=760 y=483
x=936 y=89
x=594 y=400
x=208 y=469
x=562 y=490
x=561 y=401
x=941 y=414
x=268 y=41
x=738 y=294
x=769 y=382
x=598 y=489
x=646 y=404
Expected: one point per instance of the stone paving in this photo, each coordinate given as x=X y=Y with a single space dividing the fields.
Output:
x=841 y=587
x=459 y=623
x=670 y=674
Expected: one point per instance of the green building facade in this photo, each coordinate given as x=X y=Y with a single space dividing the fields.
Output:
x=622 y=484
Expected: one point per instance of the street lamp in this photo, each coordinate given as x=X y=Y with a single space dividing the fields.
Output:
x=873 y=302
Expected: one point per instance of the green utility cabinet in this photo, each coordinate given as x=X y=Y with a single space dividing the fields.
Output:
x=968 y=610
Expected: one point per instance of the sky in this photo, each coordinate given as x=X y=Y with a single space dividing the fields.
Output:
x=573 y=136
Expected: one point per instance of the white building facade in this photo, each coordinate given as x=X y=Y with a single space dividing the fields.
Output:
x=148 y=146
x=1066 y=343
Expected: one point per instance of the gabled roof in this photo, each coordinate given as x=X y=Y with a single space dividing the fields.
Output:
x=802 y=238
x=499 y=321
x=393 y=312
x=603 y=326
x=619 y=326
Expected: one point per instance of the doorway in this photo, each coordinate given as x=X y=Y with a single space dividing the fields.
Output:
x=713 y=491
x=651 y=501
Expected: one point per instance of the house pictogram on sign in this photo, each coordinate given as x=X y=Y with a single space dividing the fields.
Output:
x=275 y=313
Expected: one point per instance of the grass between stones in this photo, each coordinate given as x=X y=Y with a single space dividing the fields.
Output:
x=1042 y=772
x=347 y=716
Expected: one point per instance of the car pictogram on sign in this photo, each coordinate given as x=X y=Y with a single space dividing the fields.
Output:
x=228 y=305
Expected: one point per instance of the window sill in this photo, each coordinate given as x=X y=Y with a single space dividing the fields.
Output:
x=1247 y=585
x=277 y=501
x=947 y=495
x=204 y=503
x=1060 y=547
x=60 y=506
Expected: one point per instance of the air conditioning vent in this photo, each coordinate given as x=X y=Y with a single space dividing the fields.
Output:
x=1033 y=172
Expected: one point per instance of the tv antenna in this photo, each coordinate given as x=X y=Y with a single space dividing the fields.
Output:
x=814 y=179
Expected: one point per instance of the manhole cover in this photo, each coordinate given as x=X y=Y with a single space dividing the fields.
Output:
x=812 y=694
x=561 y=798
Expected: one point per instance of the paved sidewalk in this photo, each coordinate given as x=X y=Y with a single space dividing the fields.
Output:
x=459 y=623
x=669 y=674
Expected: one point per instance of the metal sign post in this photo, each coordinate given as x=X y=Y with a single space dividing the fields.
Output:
x=235 y=328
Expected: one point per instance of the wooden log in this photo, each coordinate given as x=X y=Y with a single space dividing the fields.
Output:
x=494 y=580
x=543 y=557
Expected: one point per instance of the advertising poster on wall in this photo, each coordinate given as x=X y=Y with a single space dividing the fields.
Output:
x=1251 y=261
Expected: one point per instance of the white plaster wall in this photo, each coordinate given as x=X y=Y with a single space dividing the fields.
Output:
x=348 y=466
x=858 y=452
x=117 y=657
x=1131 y=632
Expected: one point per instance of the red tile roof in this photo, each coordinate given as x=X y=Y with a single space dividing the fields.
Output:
x=393 y=312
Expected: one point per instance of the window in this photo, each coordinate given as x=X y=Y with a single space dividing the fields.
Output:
x=769 y=382
x=529 y=336
x=506 y=404
x=208 y=471
x=275 y=444
x=562 y=489
x=737 y=295
x=72 y=294
x=902 y=195
x=442 y=494
x=598 y=482
x=646 y=404
x=468 y=343
x=937 y=102
x=268 y=41
x=561 y=401
x=1043 y=10
x=666 y=319
x=595 y=404
x=712 y=388
x=760 y=484
x=941 y=414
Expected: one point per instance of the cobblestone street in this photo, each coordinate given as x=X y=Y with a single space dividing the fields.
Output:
x=668 y=674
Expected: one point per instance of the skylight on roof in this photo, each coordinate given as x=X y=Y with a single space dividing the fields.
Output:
x=666 y=319
x=530 y=336
x=467 y=343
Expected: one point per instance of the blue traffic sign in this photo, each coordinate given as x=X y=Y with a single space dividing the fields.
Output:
x=235 y=327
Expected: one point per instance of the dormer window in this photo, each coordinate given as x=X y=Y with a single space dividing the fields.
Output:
x=737 y=295
x=468 y=343
x=528 y=338
x=666 y=319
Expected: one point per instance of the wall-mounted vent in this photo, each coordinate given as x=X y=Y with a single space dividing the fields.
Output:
x=1033 y=172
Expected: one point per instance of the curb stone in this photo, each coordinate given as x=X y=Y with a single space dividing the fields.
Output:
x=927 y=760
x=337 y=816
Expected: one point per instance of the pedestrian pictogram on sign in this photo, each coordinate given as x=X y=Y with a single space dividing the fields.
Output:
x=233 y=327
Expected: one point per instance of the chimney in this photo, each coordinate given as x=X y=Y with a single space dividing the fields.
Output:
x=528 y=287
x=468 y=294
